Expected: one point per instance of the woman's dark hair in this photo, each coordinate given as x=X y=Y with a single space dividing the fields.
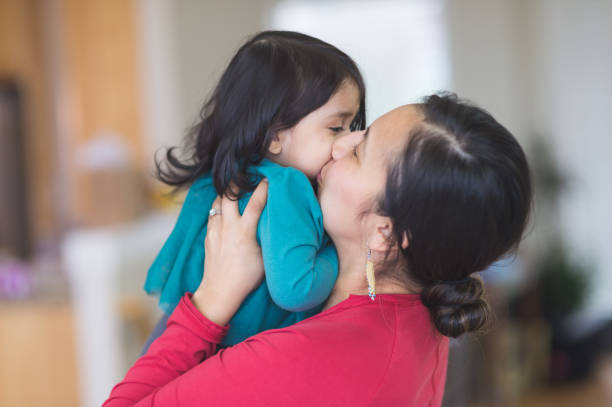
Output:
x=273 y=81
x=461 y=193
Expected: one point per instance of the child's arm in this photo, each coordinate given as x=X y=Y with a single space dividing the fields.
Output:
x=300 y=260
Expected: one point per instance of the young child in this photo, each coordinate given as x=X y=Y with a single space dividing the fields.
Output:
x=275 y=113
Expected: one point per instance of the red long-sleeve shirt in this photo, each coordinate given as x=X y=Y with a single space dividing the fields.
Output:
x=357 y=353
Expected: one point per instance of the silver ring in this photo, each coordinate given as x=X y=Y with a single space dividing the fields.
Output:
x=213 y=212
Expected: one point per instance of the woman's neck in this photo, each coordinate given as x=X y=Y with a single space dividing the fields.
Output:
x=352 y=279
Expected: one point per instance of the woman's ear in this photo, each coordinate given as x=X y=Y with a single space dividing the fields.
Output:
x=380 y=234
x=405 y=240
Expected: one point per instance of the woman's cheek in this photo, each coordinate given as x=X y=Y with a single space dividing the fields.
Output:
x=338 y=202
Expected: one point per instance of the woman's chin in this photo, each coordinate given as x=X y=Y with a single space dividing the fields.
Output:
x=319 y=188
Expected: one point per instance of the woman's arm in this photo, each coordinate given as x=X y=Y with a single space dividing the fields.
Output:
x=188 y=339
x=233 y=269
x=233 y=263
x=274 y=368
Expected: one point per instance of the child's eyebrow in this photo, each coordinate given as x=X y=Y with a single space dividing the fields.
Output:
x=342 y=115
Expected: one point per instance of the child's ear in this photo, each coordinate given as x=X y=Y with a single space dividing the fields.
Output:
x=276 y=146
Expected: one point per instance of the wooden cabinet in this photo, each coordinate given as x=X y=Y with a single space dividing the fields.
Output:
x=37 y=355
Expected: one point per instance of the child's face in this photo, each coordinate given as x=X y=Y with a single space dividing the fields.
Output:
x=307 y=146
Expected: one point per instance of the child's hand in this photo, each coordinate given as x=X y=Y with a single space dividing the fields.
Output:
x=233 y=264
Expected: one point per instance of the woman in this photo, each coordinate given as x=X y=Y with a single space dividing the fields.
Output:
x=425 y=197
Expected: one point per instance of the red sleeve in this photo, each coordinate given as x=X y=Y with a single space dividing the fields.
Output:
x=314 y=364
x=188 y=339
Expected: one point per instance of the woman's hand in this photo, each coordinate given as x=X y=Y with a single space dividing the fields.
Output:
x=233 y=264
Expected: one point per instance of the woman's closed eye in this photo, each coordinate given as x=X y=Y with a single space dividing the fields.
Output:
x=337 y=130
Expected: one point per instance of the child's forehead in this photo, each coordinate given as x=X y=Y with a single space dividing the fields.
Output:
x=343 y=104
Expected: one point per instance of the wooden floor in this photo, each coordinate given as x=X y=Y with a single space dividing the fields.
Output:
x=586 y=395
x=596 y=392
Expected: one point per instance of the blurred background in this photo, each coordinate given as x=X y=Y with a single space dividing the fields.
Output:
x=91 y=89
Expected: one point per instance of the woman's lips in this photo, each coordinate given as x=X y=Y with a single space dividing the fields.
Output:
x=321 y=174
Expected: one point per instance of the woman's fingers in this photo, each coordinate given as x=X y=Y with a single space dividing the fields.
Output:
x=233 y=264
x=217 y=207
x=230 y=206
x=258 y=200
x=216 y=203
x=213 y=226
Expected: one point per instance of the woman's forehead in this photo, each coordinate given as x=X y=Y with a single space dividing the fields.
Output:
x=392 y=130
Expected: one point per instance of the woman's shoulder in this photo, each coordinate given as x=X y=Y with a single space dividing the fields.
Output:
x=357 y=346
x=357 y=321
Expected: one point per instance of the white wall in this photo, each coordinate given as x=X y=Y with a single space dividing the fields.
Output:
x=159 y=67
x=571 y=103
x=209 y=33
x=186 y=45
x=545 y=68
x=487 y=57
x=400 y=46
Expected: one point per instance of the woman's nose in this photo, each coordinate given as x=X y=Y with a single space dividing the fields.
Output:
x=344 y=144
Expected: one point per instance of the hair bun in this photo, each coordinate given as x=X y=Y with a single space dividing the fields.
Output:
x=457 y=307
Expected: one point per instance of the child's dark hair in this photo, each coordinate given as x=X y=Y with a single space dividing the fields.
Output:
x=461 y=192
x=273 y=81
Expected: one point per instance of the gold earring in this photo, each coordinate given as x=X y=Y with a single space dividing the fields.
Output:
x=370 y=276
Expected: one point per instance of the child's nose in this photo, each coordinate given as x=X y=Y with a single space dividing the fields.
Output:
x=344 y=144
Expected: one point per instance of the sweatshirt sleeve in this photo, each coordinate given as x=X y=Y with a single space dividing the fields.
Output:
x=260 y=371
x=188 y=339
x=300 y=260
